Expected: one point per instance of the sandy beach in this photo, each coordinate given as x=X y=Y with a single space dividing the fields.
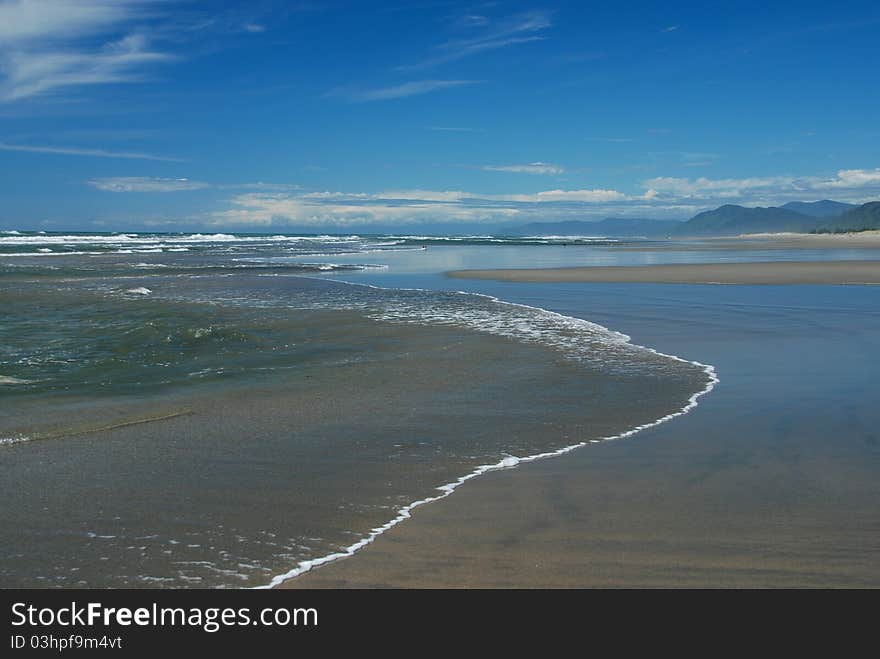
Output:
x=775 y=272
x=769 y=482
x=330 y=407
x=765 y=241
x=860 y=240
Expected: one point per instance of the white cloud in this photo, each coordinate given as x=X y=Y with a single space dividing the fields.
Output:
x=263 y=205
x=518 y=29
x=454 y=196
x=30 y=74
x=467 y=50
x=73 y=151
x=414 y=206
x=404 y=195
x=855 y=178
x=702 y=186
x=145 y=184
x=49 y=45
x=153 y=184
x=26 y=20
x=584 y=196
x=531 y=168
x=413 y=88
x=278 y=209
x=662 y=197
x=846 y=184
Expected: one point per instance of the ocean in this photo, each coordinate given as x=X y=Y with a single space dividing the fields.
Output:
x=194 y=410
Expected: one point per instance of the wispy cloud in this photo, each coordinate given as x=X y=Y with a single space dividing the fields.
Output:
x=414 y=88
x=518 y=29
x=531 y=168
x=23 y=21
x=153 y=184
x=144 y=184
x=73 y=151
x=50 y=45
x=30 y=74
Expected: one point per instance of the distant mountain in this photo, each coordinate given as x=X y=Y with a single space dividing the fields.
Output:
x=824 y=209
x=611 y=226
x=732 y=220
x=859 y=218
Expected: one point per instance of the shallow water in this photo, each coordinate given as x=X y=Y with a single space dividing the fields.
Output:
x=213 y=418
x=772 y=481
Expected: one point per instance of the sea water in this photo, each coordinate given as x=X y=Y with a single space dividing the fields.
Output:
x=219 y=410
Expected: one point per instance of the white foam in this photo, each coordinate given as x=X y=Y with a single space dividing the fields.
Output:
x=49 y=252
x=17 y=439
x=140 y=290
x=14 y=238
x=8 y=379
x=509 y=461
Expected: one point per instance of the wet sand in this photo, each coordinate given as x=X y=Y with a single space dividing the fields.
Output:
x=765 y=241
x=863 y=239
x=775 y=272
x=231 y=482
x=772 y=481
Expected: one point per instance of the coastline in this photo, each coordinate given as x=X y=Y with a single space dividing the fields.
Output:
x=746 y=491
x=763 y=242
x=864 y=239
x=292 y=578
x=773 y=272
x=550 y=522
x=365 y=440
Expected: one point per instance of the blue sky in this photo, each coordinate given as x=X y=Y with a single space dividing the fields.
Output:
x=269 y=116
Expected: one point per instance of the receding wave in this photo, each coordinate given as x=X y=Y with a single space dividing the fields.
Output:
x=334 y=409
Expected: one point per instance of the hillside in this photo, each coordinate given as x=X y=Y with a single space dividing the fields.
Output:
x=824 y=209
x=732 y=220
x=860 y=218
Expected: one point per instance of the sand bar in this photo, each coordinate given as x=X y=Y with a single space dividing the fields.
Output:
x=868 y=240
x=777 y=272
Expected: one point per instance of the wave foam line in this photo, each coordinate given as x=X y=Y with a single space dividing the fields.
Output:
x=507 y=463
x=9 y=441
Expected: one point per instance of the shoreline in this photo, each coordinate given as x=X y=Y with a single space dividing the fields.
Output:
x=758 y=273
x=868 y=240
x=290 y=578
x=747 y=491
